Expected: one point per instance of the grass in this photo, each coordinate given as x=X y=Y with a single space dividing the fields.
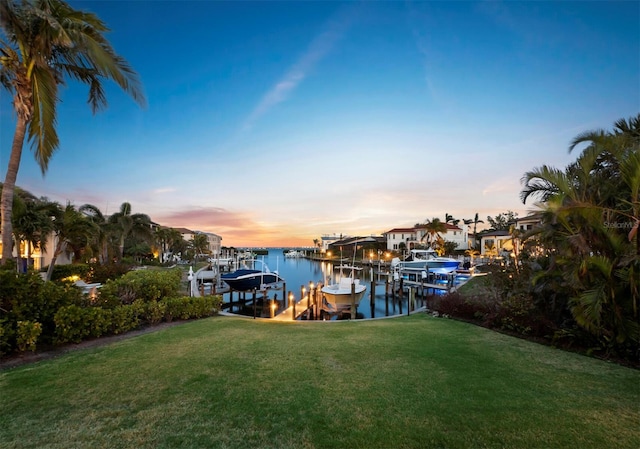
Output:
x=410 y=382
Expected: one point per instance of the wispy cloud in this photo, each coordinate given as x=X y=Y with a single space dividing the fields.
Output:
x=164 y=190
x=322 y=45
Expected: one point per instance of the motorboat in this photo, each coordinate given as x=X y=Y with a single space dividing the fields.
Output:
x=246 y=279
x=292 y=253
x=425 y=259
x=344 y=292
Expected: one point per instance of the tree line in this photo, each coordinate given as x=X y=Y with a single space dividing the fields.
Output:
x=88 y=235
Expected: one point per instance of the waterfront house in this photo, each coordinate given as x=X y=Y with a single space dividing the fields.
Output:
x=416 y=236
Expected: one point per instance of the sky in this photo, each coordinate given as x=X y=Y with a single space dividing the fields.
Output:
x=274 y=123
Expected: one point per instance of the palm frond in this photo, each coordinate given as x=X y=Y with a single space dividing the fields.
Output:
x=42 y=127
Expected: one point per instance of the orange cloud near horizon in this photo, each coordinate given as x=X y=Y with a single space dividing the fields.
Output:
x=236 y=229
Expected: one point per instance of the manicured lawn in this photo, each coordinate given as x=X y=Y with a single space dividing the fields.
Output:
x=410 y=382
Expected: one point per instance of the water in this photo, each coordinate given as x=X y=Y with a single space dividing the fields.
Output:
x=298 y=272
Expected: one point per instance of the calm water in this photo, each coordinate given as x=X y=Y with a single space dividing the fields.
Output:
x=298 y=272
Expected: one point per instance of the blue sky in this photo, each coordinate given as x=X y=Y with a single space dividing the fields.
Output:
x=272 y=123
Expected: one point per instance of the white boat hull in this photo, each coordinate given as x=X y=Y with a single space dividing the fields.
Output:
x=340 y=296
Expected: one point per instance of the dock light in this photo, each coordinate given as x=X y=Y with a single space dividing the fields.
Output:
x=424 y=275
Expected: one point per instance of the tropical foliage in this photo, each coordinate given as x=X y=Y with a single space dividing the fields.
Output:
x=42 y=43
x=591 y=212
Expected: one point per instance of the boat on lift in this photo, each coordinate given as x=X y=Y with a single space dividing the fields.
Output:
x=344 y=291
x=247 y=279
x=425 y=259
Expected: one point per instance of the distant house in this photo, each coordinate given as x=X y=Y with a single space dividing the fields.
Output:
x=417 y=236
x=327 y=240
x=494 y=243
x=371 y=243
x=529 y=222
x=215 y=241
x=40 y=257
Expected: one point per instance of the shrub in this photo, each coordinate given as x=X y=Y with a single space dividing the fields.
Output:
x=27 y=297
x=65 y=271
x=154 y=312
x=123 y=319
x=185 y=307
x=147 y=285
x=27 y=334
x=103 y=273
x=98 y=321
x=5 y=334
x=72 y=325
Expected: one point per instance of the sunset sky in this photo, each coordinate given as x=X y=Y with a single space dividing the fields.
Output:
x=273 y=123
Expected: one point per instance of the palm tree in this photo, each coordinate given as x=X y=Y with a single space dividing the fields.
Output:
x=161 y=238
x=449 y=219
x=31 y=225
x=475 y=220
x=200 y=244
x=585 y=208
x=99 y=242
x=434 y=227
x=72 y=229
x=43 y=42
x=126 y=224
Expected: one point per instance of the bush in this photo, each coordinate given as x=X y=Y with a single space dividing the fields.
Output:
x=72 y=324
x=123 y=319
x=184 y=308
x=27 y=334
x=26 y=297
x=154 y=312
x=103 y=273
x=147 y=285
x=5 y=334
x=65 y=271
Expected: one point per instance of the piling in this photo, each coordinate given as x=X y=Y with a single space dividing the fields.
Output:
x=353 y=301
x=373 y=292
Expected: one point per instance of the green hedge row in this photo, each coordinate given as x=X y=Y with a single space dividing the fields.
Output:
x=75 y=324
x=34 y=312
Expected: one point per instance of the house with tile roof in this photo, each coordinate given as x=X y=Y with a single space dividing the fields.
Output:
x=416 y=236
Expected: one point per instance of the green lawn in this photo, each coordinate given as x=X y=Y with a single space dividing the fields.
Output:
x=410 y=382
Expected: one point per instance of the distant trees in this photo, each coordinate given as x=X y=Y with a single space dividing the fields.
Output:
x=502 y=221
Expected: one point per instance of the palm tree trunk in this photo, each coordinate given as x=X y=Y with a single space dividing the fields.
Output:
x=56 y=253
x=6 y=204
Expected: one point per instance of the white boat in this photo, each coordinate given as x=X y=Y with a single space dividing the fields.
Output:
x=425 y=259
x=292 y=253
x=341 y=294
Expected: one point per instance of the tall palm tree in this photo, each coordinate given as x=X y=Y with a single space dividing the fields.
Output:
x=45 y=41
x=126 y=224
x=475 y=220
